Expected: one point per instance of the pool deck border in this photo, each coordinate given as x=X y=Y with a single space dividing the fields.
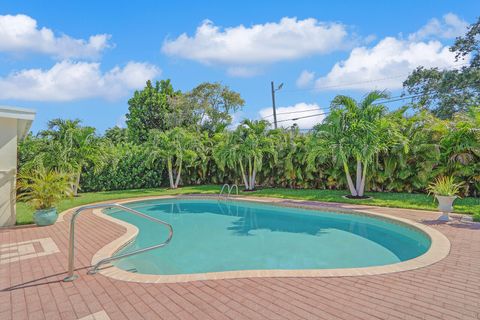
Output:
x=439 y=249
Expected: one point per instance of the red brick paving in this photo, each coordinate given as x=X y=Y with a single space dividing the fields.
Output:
x=32 y=289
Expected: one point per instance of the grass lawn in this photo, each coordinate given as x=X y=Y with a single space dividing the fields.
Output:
x=396 y=200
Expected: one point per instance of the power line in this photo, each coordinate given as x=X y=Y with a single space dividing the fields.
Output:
x=347 y=84
x=304 y=117
x=394 y=99
x=291 y=112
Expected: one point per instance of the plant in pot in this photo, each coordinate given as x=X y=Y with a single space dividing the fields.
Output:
x=446 y=191
x=42 y=189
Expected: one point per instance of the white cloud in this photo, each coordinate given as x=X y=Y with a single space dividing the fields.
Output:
x=311 y=111
x=67 y=81
x=305 y=79
x=20 y=33
x=389 y=62
x=258 y=44
x=451 y=26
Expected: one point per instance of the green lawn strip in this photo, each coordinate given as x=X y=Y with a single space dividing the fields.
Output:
x=25 y=213
x=382 y=199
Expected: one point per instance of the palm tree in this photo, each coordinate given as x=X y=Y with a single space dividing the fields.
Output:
x=177 y=146
x=71 y=147
x=244 y=149
x=353 y=130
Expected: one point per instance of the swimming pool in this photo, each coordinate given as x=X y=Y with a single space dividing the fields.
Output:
x=219 y=236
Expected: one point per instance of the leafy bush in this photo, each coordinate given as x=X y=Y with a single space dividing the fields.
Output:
x=444 y=186
x=126 y=168
x=42 y=188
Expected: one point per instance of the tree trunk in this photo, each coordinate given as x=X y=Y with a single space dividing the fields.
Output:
x=244 y=176
x=178 y=174
x=250 y=174
x=170 y=173
x=359 y=175
x=364 y=176
x=76 y=185
x=353 y=191
x=252 y=184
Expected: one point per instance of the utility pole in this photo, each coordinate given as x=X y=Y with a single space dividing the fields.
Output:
x=273 y=102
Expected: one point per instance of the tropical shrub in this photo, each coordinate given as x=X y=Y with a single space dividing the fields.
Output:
x=444 y=186
x=42 y=188
x=125 y=168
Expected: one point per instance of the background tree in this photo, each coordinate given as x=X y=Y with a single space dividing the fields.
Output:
x=211 y=105
x=446 y=92
x=150 y=109
x=117 y=135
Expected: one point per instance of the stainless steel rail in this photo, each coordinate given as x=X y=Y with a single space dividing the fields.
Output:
x=71 y=250
x=229 y=190
x=223 y=188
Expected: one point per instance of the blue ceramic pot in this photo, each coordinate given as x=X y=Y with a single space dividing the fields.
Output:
x=45 y=217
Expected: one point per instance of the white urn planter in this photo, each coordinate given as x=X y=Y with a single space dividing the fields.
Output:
x=445 y=205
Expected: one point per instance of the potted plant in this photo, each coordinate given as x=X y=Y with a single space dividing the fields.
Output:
x=43 y=189
x=446 y=191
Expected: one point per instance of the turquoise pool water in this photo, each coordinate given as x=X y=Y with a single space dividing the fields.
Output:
x=213 y=236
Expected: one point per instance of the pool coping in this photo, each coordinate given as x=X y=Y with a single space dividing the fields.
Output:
x=439 y=248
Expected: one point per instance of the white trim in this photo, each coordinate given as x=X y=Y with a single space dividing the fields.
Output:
x=24 y=118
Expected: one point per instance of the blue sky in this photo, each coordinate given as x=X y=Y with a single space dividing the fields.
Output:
x=83 y=59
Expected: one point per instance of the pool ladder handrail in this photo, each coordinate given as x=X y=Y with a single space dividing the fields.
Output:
x=71 y=250
x=229 y=190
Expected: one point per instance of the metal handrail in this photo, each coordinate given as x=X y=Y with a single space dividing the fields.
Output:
x=223 y=188
x=231 y=189
x=71 y=250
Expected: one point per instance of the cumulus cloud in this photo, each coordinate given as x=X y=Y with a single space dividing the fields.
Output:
x=388 y=63
x=307 y=114
x=305 y=79
x=449 y=27
x=20 y=33
x=67 y=81
x=266 y=43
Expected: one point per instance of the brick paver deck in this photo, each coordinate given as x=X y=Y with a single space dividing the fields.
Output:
x=33 y=289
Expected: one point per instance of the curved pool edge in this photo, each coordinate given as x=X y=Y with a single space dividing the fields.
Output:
x=439 y=248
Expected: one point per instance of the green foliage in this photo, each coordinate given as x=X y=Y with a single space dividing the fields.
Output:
x=207 y=107
x=444 y=186
x=178 y=138
x=212 y=104
x=117 y=135
x=353 y=130
x=176 y=147
x=65 y=146
x=245 y=149
x=125 y=168
x=446 y=92
x=42 y=188
x=149 y=109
